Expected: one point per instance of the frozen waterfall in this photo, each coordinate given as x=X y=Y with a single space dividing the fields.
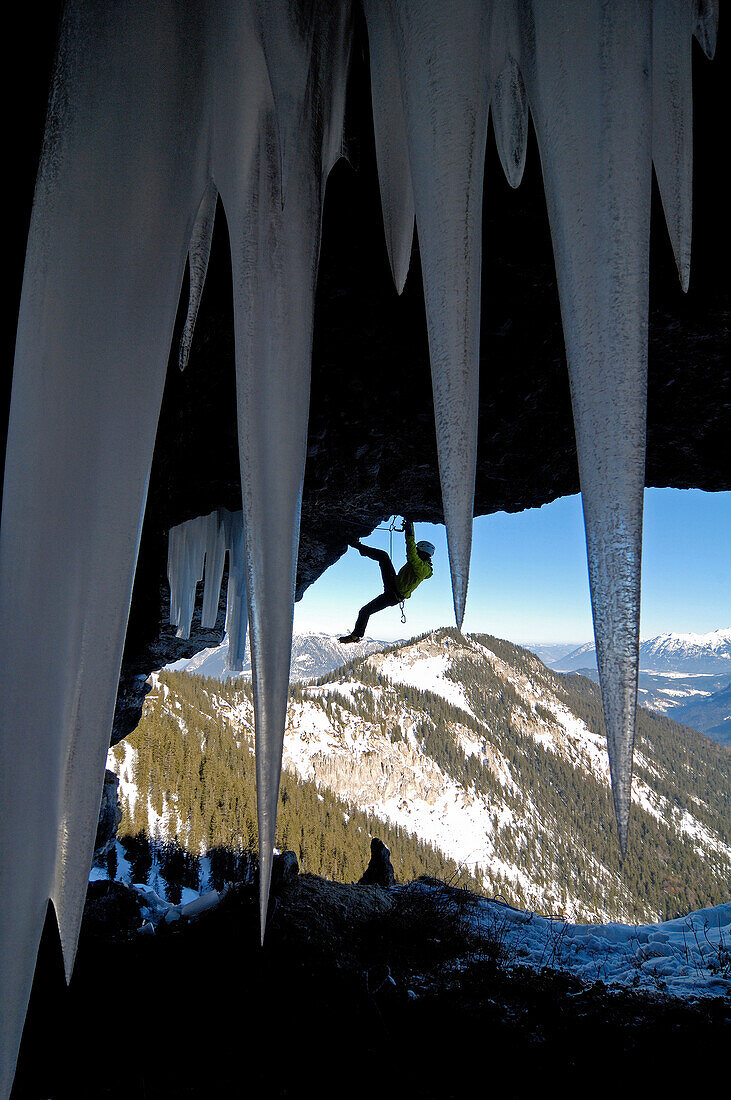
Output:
x=159 y=110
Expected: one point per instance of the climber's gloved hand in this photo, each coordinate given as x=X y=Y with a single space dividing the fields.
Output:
x=408 y=527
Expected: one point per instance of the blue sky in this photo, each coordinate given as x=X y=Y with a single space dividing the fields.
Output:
x=528 y=580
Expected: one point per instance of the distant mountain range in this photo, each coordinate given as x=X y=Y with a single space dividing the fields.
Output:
x=711 y=716
x=468 y=744
x=689 y=653
x=687 y=676
x=313 y=655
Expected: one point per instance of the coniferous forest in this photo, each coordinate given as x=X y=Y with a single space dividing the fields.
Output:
x=201 y=786
x=189 y=788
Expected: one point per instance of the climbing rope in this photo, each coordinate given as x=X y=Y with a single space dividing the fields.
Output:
x=391 y=527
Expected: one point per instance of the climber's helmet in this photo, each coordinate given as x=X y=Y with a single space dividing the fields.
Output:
x=425 y=547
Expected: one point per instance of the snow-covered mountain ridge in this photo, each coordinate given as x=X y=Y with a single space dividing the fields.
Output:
x=686 y=676
x=669 y=652
x=473 y=745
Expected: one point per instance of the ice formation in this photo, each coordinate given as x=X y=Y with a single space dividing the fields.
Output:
x=156 y=110
x=199 y=253
x=197 y=551
x=442 y=63
x=392 y=153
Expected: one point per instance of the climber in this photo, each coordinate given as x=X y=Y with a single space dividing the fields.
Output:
x=396 y=587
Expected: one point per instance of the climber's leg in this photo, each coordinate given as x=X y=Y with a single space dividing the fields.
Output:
x=386 y=599
x=388 y=573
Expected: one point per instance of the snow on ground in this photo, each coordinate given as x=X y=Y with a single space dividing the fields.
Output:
x=426 y=674
x=682 y=694
x=689 y=957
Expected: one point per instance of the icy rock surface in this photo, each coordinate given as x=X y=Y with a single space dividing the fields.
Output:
x=154 y=109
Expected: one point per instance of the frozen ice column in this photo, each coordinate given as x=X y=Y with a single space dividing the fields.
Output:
x=274 y=251
x=237 y=615
x=119 y=183
x=392 y=152
x=187 y=552
x=442 y=52
x=587 y=68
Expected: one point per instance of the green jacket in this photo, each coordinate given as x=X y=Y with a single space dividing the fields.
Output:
x=414 y=572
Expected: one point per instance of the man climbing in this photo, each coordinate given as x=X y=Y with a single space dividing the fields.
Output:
x=396 y=587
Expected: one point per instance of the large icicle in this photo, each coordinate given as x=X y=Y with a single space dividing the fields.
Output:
x=442 y=51
x=187 y=545
x=508 y=101
x=587 y=69
x=274 y=260
x=117 y=191
x=199 y=254
x=392 y=154
x=672 y=122
x=237 y=615
x=216 y=545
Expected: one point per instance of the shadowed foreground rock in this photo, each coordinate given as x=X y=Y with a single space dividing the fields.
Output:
x=372 y=992
x=379 y=871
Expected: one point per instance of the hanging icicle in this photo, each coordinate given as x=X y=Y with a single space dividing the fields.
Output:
x=442 y=53
x=199 y=254
x=587 y=68
x=509 y=102
x=274 y=252
x=392 y=153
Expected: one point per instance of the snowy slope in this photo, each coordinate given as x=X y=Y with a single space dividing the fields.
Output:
x=686 y=957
